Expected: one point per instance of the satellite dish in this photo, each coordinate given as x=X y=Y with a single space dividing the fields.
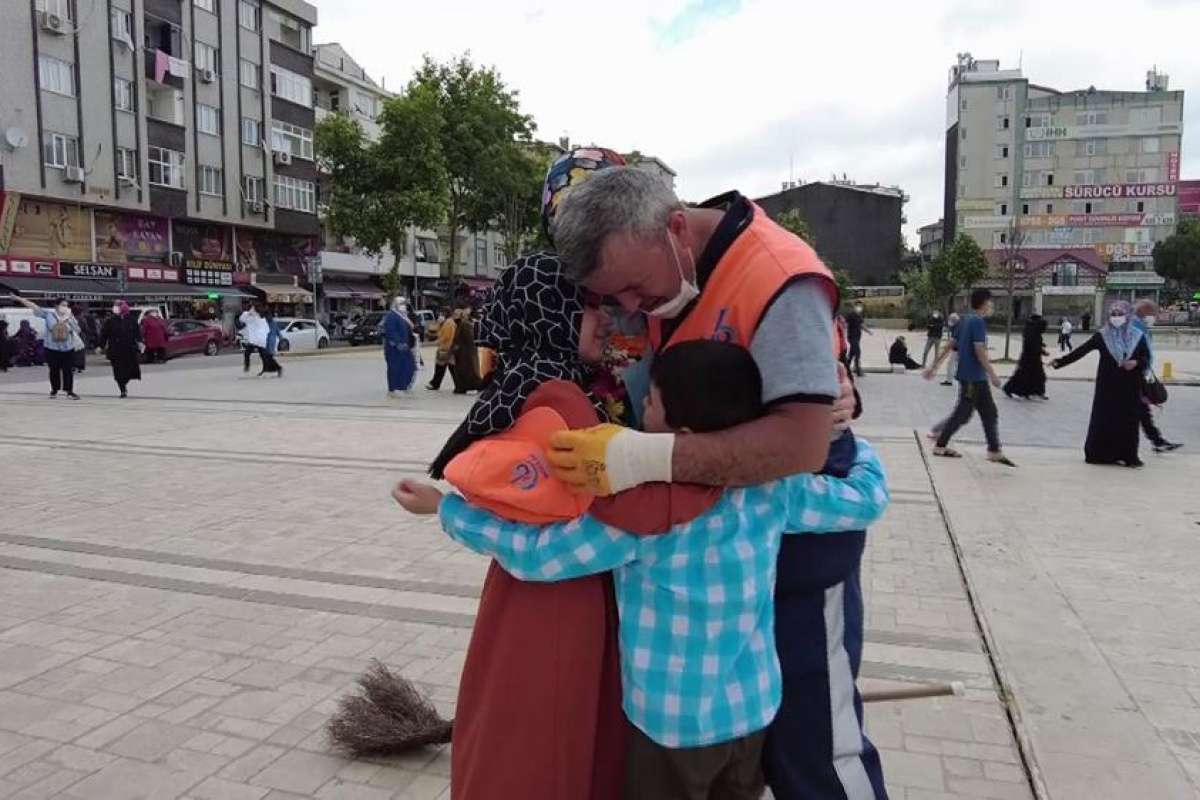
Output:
x=16 y=138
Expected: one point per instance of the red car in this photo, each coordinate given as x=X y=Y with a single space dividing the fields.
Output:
x=192 y=336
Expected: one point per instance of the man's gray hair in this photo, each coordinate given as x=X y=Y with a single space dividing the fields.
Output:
x=613 y=201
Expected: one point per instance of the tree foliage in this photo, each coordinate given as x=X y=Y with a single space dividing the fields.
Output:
x=479 y=123
x=1177 y=257
x=793 y=222
x=376 y=191
x=519 y=219
x=965 y=263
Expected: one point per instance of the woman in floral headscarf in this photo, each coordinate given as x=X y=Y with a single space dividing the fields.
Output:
x=1113 y=434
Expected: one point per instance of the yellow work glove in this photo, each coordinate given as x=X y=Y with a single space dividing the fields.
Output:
x=607 y=459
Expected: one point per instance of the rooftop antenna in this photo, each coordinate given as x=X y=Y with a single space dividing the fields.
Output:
x=1021 y=58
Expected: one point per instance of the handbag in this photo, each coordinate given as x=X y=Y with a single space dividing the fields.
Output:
x=77 y=342
x=1153 y=390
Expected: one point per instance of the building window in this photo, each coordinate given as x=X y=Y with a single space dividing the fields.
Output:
x=1049 y=208
x=1025 y=208
x=1145 y=175
x=1091 y=118
x=249 y=15
x=1039 y=149
x=289 y=86
x=60 y=150
x=1086 y=177
x=251 y=132
x=212 y=181
x=1150 y=144
x=962 y=132
x=292 y=32
x=964 y=104
x=1065 y=274
x=59 y=8
x=481 y=253
x=206 y=57
x=1001 y=209
x=498 y=255
x=56 y=75
x=1000 y=181
x=962 y=163
x=295 y=194
x=206 y=5
x=292 y=139
x=1049 y=178
x=1002 y=123
x=127 y=163
x=251 y=76
x=208 y=119
x=1091 y=147
x=123 y=92
x=426 y=250
x=364 y=104
x=1087 y=208
x=165 y=167
x=1039 y=121
x=252 y=188
x=1002 y=151
x=1141 y=206
x=121 y=25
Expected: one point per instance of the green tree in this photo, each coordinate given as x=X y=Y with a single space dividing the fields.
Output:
x=520 y=216
x=965 y=264
x=1177 y=258
x=479 y=124
x=793 y=221
x=376 y=191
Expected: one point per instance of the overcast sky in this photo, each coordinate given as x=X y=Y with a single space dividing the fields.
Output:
x=743 y=93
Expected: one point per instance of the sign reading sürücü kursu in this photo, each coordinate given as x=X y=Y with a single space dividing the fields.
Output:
x=1104 y=190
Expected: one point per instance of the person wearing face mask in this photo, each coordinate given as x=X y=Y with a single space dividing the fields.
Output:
x=121 y=339
x=933 y=336
x=398 y=349
x=1143 y=319
x=62 y=340
x=1113 y=436
x=855 y=325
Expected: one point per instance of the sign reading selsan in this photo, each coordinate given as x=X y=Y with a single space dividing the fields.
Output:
x=1104 y=190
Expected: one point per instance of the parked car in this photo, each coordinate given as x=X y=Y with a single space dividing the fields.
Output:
x=369 y=329
x=426 y=322
x=193 y=336
x=301 y=334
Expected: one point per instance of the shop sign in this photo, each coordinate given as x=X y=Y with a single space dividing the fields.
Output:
x=975 y=205
x=1118 y=190
x=1042 y=192
x=1048 y=132
x=203 y=242
x=73 y=269
x=1173 y=166
x=3 y=266
x=131 y=237
x=153 y=274
x=43 y=267
x=202 y=272
x=51 y=230
x=20 y=267
x=1166 y=218
x=1069 y=290
x=984 y=222
x=1083 y=220
x=271 y=253
x=10 y=203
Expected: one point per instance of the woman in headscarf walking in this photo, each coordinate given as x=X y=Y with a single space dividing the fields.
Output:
x=398 y=349
x=121 y=339
x=1113 y=433
x=62 y=340
x=267 y=352
x=466 y=355
x=444 y=358
x=1029 y=379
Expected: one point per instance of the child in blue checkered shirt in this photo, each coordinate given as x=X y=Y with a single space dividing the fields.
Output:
x=700 y=674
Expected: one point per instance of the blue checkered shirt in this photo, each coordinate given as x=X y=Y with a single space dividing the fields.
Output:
x=698 y=660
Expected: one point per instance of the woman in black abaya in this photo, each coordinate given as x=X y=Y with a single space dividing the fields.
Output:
x=1113 y=434
x=1029 y=380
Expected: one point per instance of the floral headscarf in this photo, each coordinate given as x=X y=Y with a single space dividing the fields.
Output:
x=570 y=170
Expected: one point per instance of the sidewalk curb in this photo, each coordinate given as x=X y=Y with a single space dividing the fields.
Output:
x=1033 y=770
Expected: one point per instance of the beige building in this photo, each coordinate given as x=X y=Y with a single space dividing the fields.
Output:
x=1092 y=174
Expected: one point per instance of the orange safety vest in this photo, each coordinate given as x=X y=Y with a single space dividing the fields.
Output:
x=759 y=265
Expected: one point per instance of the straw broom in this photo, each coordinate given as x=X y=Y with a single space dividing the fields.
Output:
x=388 y=715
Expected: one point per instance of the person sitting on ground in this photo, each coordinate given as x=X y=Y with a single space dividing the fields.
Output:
x=700 y=671
x=27 y=346
x=898 y=354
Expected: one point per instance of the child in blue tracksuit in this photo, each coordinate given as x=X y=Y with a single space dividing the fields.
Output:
x=700 y=673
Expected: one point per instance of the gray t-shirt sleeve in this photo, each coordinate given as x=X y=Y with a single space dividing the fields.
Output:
x=793 y=346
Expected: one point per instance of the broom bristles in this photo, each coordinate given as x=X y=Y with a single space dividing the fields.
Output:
x=388 y=716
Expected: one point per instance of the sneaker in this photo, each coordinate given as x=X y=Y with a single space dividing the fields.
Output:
x=1166 y=447
x=53 y=395
x=72 y=395
x=1000 y=458
x=947 y=383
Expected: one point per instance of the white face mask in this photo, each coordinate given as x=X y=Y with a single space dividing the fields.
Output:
x=1117 y=321
x=117 y=310
x=63 y=310
x=688 y=291
x=1148 y=322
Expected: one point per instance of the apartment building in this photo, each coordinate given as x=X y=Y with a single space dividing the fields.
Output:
x=160 y=150
x=1090 y=175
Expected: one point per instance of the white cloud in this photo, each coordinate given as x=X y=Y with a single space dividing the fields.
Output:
x=729 y=93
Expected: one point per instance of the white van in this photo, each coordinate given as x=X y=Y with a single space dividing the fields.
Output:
x=14 y=317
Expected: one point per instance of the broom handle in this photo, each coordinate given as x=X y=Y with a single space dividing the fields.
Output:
x=915 y=693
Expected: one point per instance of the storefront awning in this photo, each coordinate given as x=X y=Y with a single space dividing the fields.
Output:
x=285 y=294
x=351 y=288
x=84 y=289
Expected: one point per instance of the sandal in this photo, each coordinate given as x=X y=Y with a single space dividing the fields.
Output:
x=946 y=452
x=1001 y=459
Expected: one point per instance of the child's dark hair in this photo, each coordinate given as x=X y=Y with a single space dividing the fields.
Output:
x=707 y=385
x=979 y=297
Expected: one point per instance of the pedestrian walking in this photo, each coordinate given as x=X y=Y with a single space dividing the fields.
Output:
x=154 y=337
x=855 y=325
x=1144 y=313
x=1029 y=379
x=466 y=356
x=254 y=330
x=62 y=340
x=975 y=372
x=444 y=358
x=1112 y=436
x=270 y=348
x=952 y=323
x=1086 y=321
x=5 y=346
x=1064 y=336
x=79 y=362
x=121 y=339
x=933 y=336
x=398 y=349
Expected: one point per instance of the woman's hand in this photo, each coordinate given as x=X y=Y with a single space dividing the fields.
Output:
x=417 y=497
